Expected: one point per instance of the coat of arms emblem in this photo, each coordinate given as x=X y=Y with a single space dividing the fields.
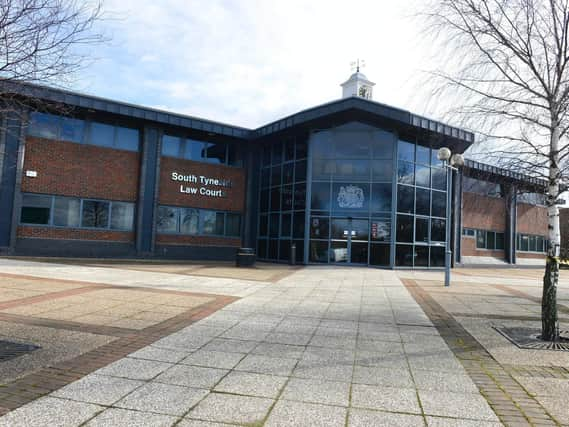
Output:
x=351 y=197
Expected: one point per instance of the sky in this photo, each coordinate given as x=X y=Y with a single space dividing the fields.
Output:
x=250 y=62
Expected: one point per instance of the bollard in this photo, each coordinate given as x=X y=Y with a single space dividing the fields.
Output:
x=292 y=259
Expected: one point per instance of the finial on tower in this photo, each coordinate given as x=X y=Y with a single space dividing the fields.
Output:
x=357 y=64
x=357 y=84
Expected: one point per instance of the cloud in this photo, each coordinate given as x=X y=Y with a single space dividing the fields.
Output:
x=249 y=62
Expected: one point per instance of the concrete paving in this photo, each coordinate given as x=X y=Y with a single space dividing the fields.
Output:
x=321 y=347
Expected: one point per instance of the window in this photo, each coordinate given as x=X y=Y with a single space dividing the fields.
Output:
x=102 y=134
x=233 y=225
x=36 y=209
x=44 y=125
x=66 y=212
x=72 y=129
x=127 y=139
x=167 y=220
x=171 y=146
x=491 y=240
x=469 y=232
x=217 y=153
x=95 y=214
x=122 y=216
x=531 y=243
x=189 y=221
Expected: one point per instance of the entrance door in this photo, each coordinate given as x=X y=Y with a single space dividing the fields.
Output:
x=349 y=241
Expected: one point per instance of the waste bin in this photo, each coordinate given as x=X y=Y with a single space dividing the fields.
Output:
x=292 y=259
x=245 y=257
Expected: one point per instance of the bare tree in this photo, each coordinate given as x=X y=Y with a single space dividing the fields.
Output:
x=42 y=42
x=506 y=72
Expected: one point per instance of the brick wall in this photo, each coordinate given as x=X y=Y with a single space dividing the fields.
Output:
x=169 y=192
x=532 y=219
x=25 y=231
x=468 y=248
x=70 y=169
x=485 y=213
x=172 y=239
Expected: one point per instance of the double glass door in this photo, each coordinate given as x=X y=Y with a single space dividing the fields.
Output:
x=349 y=240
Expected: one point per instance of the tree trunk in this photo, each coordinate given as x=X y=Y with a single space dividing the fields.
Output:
x=549 y=327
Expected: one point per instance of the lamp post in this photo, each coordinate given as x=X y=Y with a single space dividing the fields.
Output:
x=451 y=162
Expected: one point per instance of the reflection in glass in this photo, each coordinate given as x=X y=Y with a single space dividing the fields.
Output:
x=437 y=256
x=322 y=145
x=264 y=205
x=289 y=149
x=422 y=230
x=167 y=221
x=439 y=179
x=288 y=172
x=423 y=203
x=421 y=256
x=171 y=146
x=286 y=223
x=299 y=196
x=262 y=248
x=379 y=254
x=274 y=225
x=277 y=154
x=276 y=175
x=382 y=145
x=95 y=214
x=300 y=171
x=273 y=249
x=406 y=151
x=405 y=199
x=423 y=155
x=66 y=212
x=382 y=170
x=352 y=144
x=381 y=197
x=380 y=230
x=438 y=230
x=189 y=221
x=338 y=251
x=284 y=250
x=340 y=229
x=323 y=168
x=352 y=169
x=122 y=215
x=404 y=256
x=319 y=251
x=275 y=198
x=319 y=228
x=358 y=253
x=439 y=204
x=350 y=197
x=286 y=195
x=422 y=176
x=320 y=196
x=298 y=225
x=404 y=228
x=406 y=173
x=263 y=225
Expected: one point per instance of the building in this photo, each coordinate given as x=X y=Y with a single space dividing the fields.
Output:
x=352 y=181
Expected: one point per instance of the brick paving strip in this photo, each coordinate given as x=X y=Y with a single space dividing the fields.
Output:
x=51 y=378
x=509 y=400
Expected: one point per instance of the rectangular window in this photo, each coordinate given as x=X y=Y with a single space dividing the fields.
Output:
x=36 y=209
x=122 y=216
x=189 y=221
x=500 y=241
x=233 y=225
x=217 y=152
x=72 y=129
x=95 y=214
x=171 y=146
x=481 y=239
x=167 y=220
x=208 y=219
x=66 y=212
x=127 y=139
x=44 y=125
x=195 y=150
x=234 y=156
x=102 y=134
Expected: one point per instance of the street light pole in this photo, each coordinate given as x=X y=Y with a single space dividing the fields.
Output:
x=448 y=250
x=451 y=163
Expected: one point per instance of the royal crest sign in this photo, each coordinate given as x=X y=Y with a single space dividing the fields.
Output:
x=351 y=197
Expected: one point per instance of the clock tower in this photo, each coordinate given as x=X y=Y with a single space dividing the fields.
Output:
x=358 y=85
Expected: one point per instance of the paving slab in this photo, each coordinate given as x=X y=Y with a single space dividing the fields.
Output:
x=98 y=389
x=367 y=418
x=134 y=369
x=317 y=391
x=163 y=398
x=457 y=405
x=231 y=409
x=125 y=418
x=385 y=398
x=251 y=384
x=266 y=365
x=50 y=411
x=192 y=376
x=213 y=359
x=289 y=414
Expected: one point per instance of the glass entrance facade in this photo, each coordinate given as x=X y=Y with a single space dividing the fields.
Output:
x=372 y=198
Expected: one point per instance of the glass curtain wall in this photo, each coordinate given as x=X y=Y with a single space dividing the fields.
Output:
x=282 y=201
x=351 y=195
x=421 y=207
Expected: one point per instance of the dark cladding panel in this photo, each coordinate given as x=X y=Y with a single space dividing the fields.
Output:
x=148 y=187
x=9 y=151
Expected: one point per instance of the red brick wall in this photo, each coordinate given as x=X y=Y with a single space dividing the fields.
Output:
x=485 y=213
x=172 y=239
x=74 y=234
x=468 y=248
x=70 y=169
x=532 y=219
x=169 y=193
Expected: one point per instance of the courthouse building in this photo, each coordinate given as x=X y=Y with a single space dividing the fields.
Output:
x=352 y=181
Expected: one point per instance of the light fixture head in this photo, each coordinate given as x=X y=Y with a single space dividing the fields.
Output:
x=457 y=160
x=444 y=154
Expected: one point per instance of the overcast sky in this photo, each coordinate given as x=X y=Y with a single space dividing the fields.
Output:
x=248 y=62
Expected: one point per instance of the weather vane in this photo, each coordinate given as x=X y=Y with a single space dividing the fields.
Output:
x=359 y=63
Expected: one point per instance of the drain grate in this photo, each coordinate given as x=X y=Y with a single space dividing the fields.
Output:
x=528 y=338
x=10 y=350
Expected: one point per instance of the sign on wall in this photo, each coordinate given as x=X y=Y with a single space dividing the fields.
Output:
x=201 y=185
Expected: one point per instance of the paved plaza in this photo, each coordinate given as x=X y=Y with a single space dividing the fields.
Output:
x=152 y=345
